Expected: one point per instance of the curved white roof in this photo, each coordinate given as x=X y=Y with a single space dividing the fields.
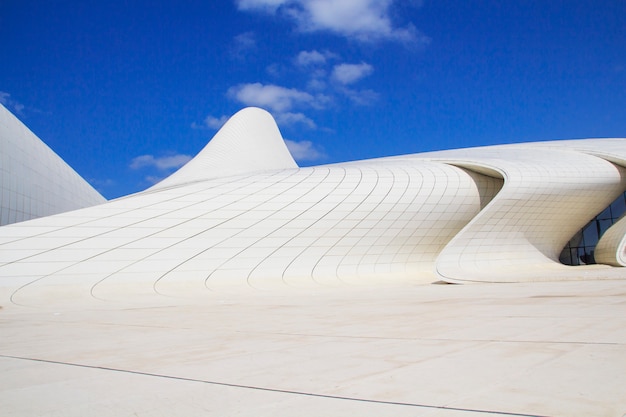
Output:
x=243 y=215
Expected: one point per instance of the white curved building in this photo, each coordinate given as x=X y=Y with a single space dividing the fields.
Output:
x=245 y=285
x=243 y=215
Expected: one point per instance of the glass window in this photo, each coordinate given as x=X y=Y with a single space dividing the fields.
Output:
x=580 y=249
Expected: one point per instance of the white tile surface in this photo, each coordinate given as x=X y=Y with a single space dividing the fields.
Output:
x=34 y=181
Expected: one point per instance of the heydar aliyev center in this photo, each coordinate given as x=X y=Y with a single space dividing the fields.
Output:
x=212 y=287
x=242 y=213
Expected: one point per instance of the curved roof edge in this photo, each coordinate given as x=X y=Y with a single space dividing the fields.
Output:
x=549 y=193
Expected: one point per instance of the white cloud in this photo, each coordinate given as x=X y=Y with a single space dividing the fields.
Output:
x=210 y=122
x=9 y=103
x=351 y=73
x=364 y=20
x=294 y=118
x=309 y=58
x=215 y=122
x=360 y=97
x=153 y=179
x=101 y=185
x=280 y=101
x=275 y=70
x=96 y=182
x=276 y=98
x=162 y=163
x=316 y=84
x=314 y=64
x=304 y=150
x=4 y=98
x=243 y=44
x=269 y=5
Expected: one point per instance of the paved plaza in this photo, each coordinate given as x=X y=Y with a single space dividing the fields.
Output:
x=540 y=349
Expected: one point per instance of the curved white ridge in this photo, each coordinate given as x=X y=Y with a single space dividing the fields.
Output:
x=337 y=225
x=498 y=214
x=35 y=181
x=249 y=142
x=611 y=248
x=549 y=193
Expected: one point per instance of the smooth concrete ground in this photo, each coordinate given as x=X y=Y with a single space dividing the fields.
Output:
x=551 y=349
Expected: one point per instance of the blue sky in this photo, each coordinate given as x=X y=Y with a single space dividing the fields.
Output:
x=128 y=91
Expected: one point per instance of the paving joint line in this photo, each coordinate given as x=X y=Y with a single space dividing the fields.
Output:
x=275 y=390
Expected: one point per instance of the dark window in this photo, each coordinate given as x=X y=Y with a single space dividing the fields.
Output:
x=579 y=250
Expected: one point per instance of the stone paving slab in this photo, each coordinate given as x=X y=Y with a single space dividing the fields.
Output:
x=549 y=349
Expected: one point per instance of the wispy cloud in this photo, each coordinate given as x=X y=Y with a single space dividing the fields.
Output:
x=276 y=98
x=101 y=185
x=282 y=118
x=242 y=45
x=275 y=70
x=215 y=122
x=280 y=101
x=363 y=20
x=158 y=168
x=266 y=5
x=306 y=59
x=304 y=150
x=342 y=77
x=210 y=122
x=286 y=103
x=163 y=163
x=351 y=73
x=4 y=98
x=153 y=179
x=328 y=81
x=360 y=97
x=9 y=103
x=289 y=118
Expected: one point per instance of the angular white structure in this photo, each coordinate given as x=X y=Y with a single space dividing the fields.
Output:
x=35 y=181
x=243 y=215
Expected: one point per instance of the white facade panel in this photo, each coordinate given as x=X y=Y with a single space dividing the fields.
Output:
x=35 y=181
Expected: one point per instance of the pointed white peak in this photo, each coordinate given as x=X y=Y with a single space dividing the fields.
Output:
x=249 y=142
x=34 y=180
